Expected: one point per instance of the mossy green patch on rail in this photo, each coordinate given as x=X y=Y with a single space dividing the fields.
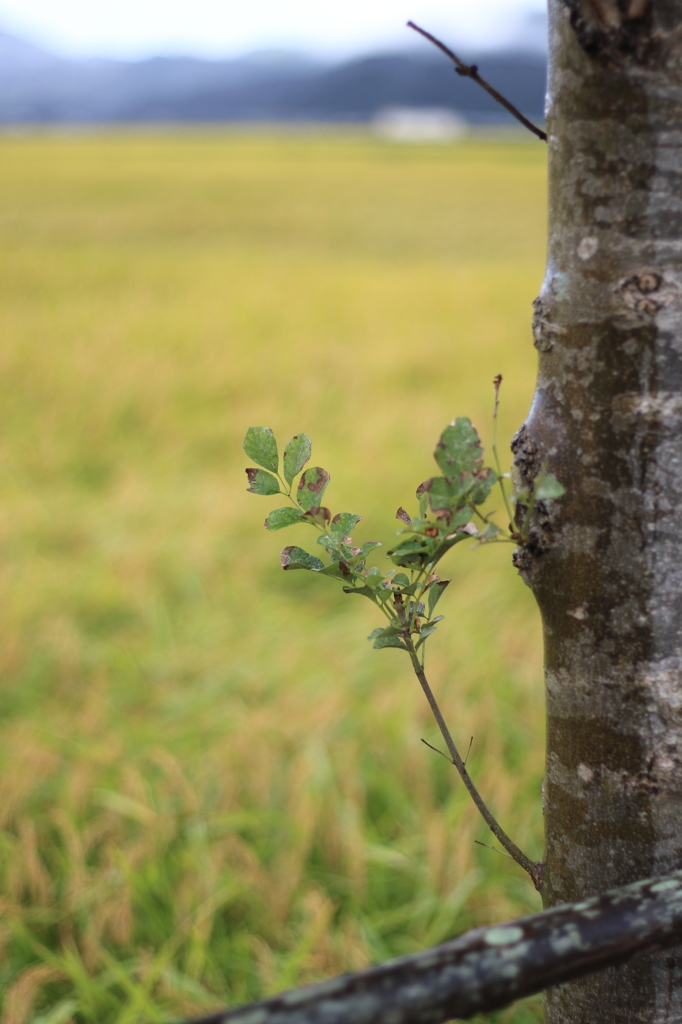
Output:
x=201 y=801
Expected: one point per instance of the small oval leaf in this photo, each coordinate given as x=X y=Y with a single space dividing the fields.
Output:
x=261 y=482
x=389 y=641
x=311 y=487
x=459 y=448
x=548 y=487
x=296 y=558
x=363 y=591
x=296 y=454
x=260 y=445
x=282 y=517
x=342 y=525
x=436 y=591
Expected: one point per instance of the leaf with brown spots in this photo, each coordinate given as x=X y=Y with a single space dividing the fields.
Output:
x=311 y=487
x=318 y=515
x=296 y=558
x=342 y=525
x=281 y=517
x=459 y=448
x=261 y=482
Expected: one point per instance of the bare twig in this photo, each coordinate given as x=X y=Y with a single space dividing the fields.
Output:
x=436 y=750
x=488 y=968
x=468 y=751
x=471 y=71
x=534 y=869
x=497 y=383
x=493 y=848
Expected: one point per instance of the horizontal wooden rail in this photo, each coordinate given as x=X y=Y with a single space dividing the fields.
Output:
x=487 y=968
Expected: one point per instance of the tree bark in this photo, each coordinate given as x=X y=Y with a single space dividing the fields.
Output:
x=487 y=968
x=605 y=561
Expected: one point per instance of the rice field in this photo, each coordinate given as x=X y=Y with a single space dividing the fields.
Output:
x=211 y=787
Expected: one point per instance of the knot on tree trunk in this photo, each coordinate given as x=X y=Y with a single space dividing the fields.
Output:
x=529 y=462
x=615 y=32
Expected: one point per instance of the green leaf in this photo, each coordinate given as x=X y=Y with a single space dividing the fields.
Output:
x=363 y=591
x=384 y=631
x=548 y=487
x=409 y=553
x=342 y=525
x=424 y=634
x=423 y=499
x=389 y=641
x=311 y=487
x=444 y=546
x=459 y=519
x=368 y=545
x=491 y=531
x=339 y=570
x=482 y=485
x=262 y=482
x=459 y=448
x=296 y=454
x=260 y=445
x=318 y=515
x=401 y=579
x=282 y=517
x=374 y=577
x=436 y=591
x=432 y=622
x=296 y=558
x=443 y=493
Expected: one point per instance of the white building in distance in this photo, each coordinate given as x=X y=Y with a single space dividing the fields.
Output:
x=418 y=124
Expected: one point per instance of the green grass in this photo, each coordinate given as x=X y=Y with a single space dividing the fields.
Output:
x=210 y=786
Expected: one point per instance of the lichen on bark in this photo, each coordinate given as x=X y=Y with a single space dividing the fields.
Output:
x=605 y=562
x=486 y=968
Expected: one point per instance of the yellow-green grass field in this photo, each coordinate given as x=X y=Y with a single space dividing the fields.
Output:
x=211 y=787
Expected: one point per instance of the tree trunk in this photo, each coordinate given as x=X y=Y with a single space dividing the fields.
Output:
x=605 y=561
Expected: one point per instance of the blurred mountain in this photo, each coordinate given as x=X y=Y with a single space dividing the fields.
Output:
x=19 y=57
x=37 y=87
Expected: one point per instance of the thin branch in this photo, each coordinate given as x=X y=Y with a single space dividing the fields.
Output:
x=493 y=848
x=471 y=71
x=497 y=383
x=487 y=968
x=436 y=750
x=534 y=869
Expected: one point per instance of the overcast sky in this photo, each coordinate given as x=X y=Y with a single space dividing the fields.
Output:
x=137 y=28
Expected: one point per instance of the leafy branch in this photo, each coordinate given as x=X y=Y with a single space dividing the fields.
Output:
x=450 y=510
